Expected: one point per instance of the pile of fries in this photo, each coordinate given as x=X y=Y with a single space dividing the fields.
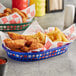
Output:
x=57 y=35
x=26 y=43
x=9 y=11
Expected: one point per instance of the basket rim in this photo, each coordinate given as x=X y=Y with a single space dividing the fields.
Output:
x=17 y=24
x=35 y=52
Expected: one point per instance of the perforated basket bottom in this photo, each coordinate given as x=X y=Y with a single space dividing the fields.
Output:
x=36 y=56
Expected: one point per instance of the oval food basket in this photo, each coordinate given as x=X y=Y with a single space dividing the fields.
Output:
x=26 y=57
x=15 y=27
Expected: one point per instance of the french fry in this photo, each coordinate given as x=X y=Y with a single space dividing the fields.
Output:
x=41 y=36
x=57 y=35
x=50 y=35
x=64 y=39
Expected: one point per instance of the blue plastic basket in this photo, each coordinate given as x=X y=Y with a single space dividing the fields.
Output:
x=36 y=56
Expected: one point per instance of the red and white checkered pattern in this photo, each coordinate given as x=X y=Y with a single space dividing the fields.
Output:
x=30 y=11
x=15 y=17
x=11 y=19
x=70 y=33
x=49 y=29
x=35 y=27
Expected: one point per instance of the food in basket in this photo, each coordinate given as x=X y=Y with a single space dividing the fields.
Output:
x=39 y=37
x=23 y=43
x=34 y=46
x=26 y=43
x=57 y=35
x=15 y=36
x=22 y=14
x=9 y=11
x=16 y=44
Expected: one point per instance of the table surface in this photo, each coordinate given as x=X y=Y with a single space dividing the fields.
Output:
x=62 y=65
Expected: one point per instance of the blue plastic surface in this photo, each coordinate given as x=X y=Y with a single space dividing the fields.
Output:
x=26 y=57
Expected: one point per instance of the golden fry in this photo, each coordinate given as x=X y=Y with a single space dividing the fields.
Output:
x=50 y=35
x=57 y=35
x=25 y=43
x=41 y=37
x=64 y=39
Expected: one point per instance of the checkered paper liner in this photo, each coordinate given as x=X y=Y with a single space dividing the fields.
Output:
x=14 y=21
x=50 y=48
x=35 y=27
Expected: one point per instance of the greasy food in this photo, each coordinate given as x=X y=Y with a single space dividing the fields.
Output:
x=15 y=44
x=15 y=36
x=36 y=46
x=20 y=13
x=8 y=10
x=1 y=15
x=57 y=35
x=25 y=49
x=26 y=43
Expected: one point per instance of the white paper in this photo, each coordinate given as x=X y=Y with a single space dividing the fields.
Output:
x=2 y=7
x=35 y=27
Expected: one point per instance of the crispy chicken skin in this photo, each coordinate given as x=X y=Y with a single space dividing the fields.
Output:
x=15 y=36
x=23 y=15
x=16 y=50
x=36 y=46
x=8 y=10
x=25 y=49
x=15 y=44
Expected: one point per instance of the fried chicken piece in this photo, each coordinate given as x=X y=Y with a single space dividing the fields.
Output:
x=15 y=44
x=16 y=50
x=20 y=13
x=31 y=39
x=15 y=36
x=8 y=10
x=35 y=46
x=6 y=40
x=25 y=14
x=5 y=14
x=25 y=49
x=1 y=15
